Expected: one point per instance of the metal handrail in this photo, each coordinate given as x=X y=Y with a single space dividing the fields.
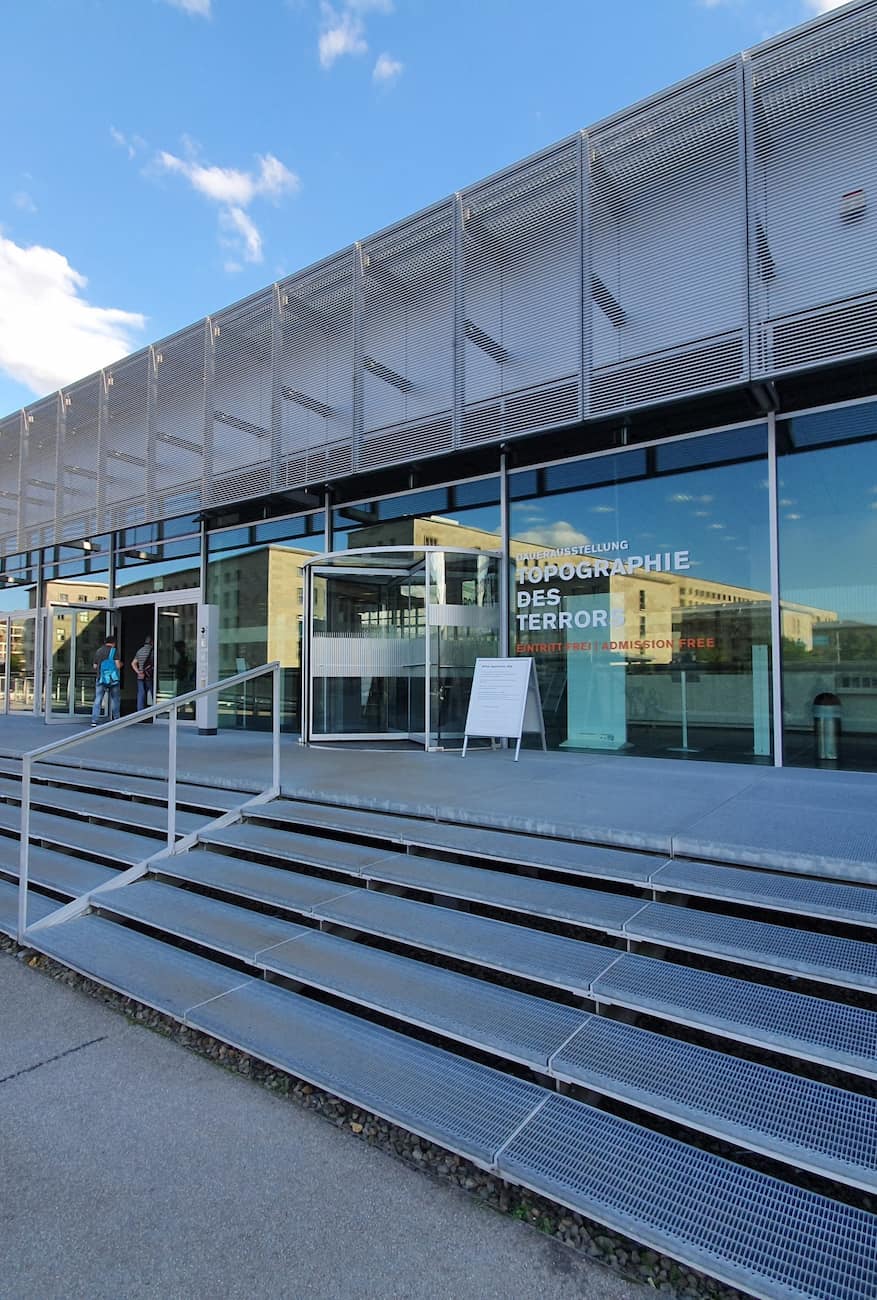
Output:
x=172 y=707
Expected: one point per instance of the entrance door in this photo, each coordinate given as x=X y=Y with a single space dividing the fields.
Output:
x=367 y=653
x=74 y=634
x=176 y=632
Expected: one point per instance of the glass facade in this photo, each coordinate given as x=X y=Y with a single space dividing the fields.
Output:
x=640 y=580
x=642 y=590
x=827 y=512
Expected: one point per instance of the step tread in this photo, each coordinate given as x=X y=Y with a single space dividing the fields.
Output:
x=188 y=792
x=853 y=903
x=146 y=969
x=334 y=855
x=794 y=1023
x=828 y=1130
x=58 y=871
x=74 y=833
x=587 y=907
x=548 y=958
x=773 y=1240
x=38 y=906
x=271 y=885
x=848 y=962
x=108 y=805
x=206 y=921
x=516 y=1025
x=497 y=845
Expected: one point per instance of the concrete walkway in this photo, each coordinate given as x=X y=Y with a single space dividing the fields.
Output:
x=789 y=819
x=130 y=1168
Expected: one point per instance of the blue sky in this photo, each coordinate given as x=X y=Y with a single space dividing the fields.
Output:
x=163 y=158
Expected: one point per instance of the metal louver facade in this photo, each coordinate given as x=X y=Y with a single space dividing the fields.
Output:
x=720 y=233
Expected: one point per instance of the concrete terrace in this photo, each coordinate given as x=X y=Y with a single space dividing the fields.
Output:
x=787 y=819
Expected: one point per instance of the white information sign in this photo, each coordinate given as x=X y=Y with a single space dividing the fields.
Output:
x=504 y=702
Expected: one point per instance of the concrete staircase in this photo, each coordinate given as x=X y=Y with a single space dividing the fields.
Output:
x=685 y=1051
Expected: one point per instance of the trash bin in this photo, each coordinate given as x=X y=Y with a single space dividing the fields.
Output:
x=826 y=725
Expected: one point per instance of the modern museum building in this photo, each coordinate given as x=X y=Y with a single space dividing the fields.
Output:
x=614 y=409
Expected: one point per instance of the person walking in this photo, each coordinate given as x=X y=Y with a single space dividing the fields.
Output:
x=108 y=667
x=142 y=663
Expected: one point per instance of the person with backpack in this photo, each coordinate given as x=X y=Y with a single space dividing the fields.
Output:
x=108 y=667
x=142 y=663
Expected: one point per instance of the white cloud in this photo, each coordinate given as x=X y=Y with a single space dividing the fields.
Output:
x=824 y=6
x=50 y=334
x=198 y=8
x=342 y=34
x=23 y=201
x=249 y=240
x=387 y=69
x=234 y=190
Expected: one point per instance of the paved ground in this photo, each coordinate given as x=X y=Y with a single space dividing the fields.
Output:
x=131 y=1168
x=789 y=819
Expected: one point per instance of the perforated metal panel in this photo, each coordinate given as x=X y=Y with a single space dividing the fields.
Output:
x=813 y=253
x=178 y=422
x=406 y=361
x=521 y=299
x=665 y=232
x=241 y=344
x=315 y=374
x=79 y=508
x=39 y=472
x=11 y=444
x=126 y=442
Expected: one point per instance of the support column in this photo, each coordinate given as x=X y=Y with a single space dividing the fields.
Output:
x=776 y=622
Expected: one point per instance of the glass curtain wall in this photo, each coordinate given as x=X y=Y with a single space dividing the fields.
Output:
x=254 y=576
x=827 y=469
x=642 y=591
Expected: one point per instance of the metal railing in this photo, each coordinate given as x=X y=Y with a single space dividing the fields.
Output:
x=171 y=707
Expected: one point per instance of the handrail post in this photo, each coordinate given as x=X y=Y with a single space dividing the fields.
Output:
x=172 y=779
x=24 y=847
x=275 y=728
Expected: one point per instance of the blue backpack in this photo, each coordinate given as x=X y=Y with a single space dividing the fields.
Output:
x=108 y=673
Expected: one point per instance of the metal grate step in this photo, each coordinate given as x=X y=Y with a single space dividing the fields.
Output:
x=188 y=793
x=57 y=871
x=845 y=962
x=82 y=836
x=223 y=927
x=108 y=807
x=497 y=846
x=272 y=885
x=38 y=906
x=812 y=1125
x=794 y=1024
x=854 y=904
x=573 y=903
x=515 y=1025
x=546 y=958
x=137 y=966
x=741 y=1226
x=333 y=855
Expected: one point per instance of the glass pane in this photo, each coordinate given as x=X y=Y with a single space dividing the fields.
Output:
x=60 y=650
x=22 y=658
x=828 y=531
x=645 y=603
x=91 y=627
x=464 y=624
x=175 y=650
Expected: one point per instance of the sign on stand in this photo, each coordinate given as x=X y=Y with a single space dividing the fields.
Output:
x=505 y=702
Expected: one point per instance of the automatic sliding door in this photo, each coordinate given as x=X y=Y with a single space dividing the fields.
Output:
x=19 y=662
x=74 y=634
